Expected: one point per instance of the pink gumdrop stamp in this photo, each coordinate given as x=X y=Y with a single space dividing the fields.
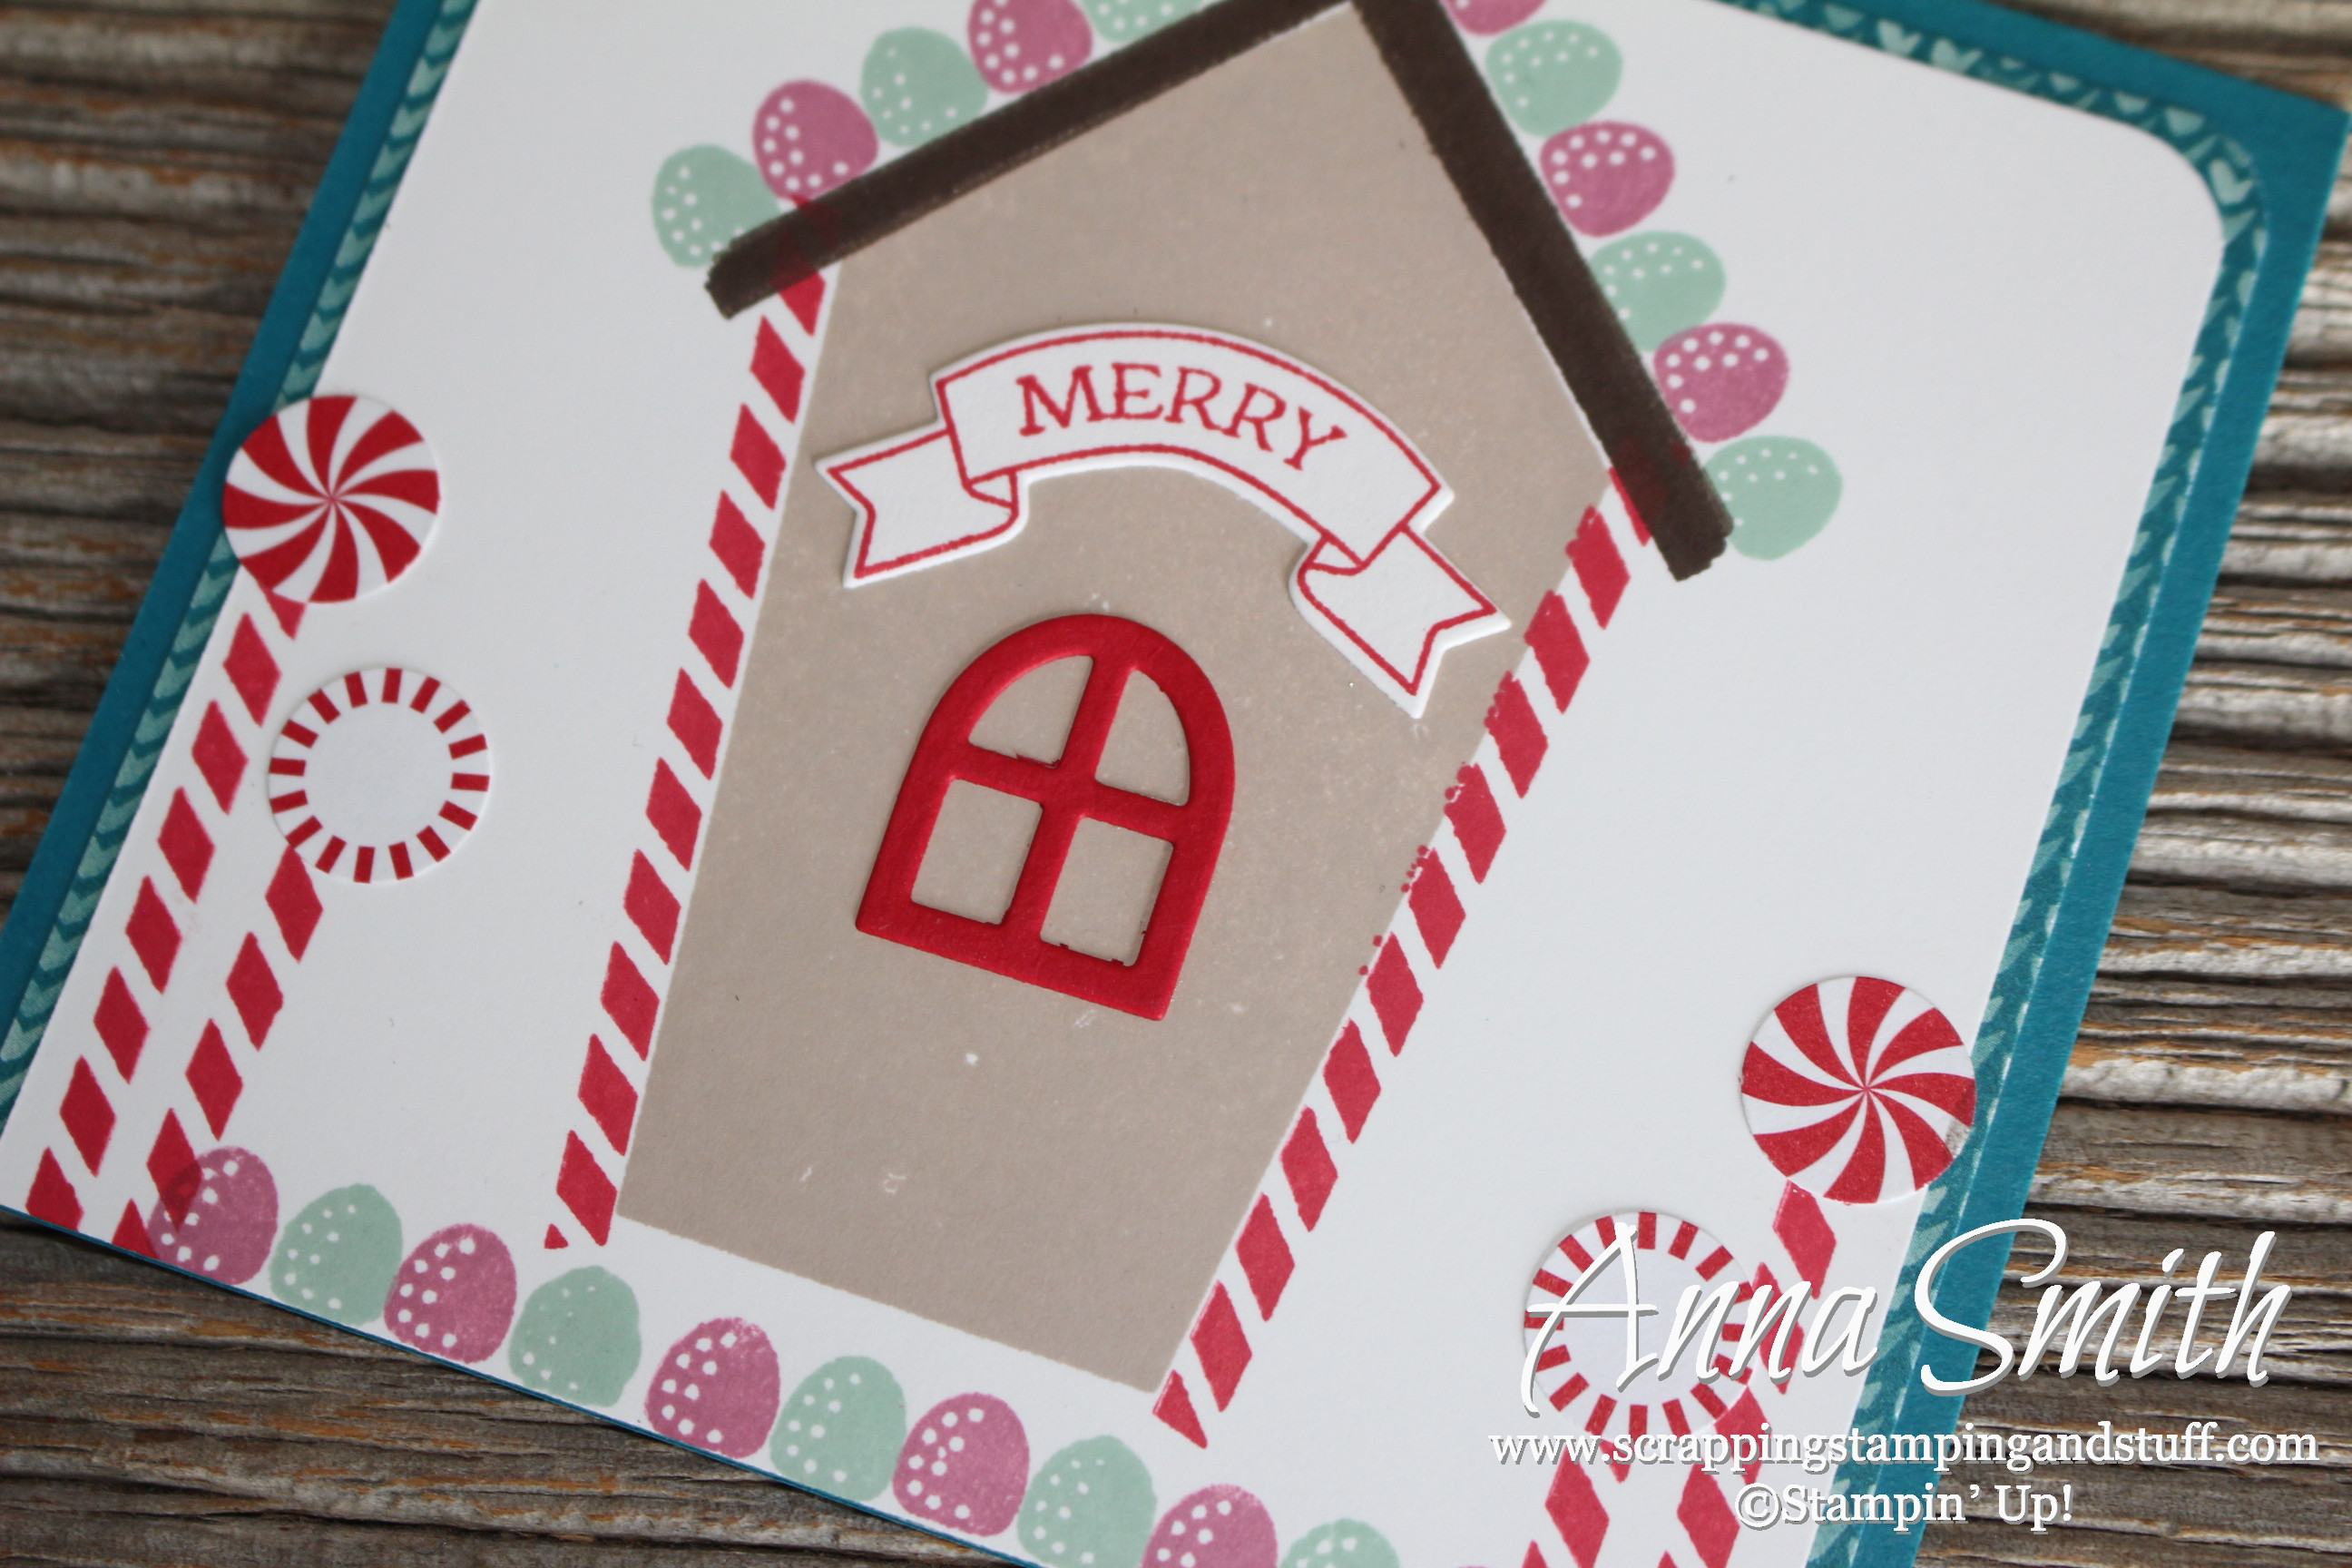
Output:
x=965 y=1465
x=1216 y=1527
x=718 y=1388
x=454 y=1295
x=1023 y=44
x=1484 y=16
x=232 y=1219
x=808 y=138
x=1721 y=379
x=1606 y=175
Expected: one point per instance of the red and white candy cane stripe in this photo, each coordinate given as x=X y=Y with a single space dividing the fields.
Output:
x=329 y=498
x=1576 y=1504
x=388 y=803
x=140 y=1150
x=1576 y=1366
x=1858 y=1090
x=1580 y=1517
x=1605 y=563
x=685 y=775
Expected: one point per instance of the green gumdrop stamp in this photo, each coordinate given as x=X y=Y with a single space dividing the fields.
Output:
x=577 y=1338
x=841 y=1429
x=1552 y=75
x=337 y=1255
x=706 y=198
x=1659 y=284
x=1342 y=1543
x=1090 y=1506
x=1123 y=20
x=1782 y=491
x=918 y=84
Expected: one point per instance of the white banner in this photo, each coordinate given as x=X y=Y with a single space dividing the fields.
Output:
x=1310 y=452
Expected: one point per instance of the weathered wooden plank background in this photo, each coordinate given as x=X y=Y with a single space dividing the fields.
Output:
x=155 y=157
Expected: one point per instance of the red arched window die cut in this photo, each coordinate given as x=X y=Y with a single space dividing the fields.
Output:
x=1066 y=792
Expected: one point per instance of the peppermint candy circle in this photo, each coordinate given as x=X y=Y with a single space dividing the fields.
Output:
x=1577 y=1371
x=1859 y=1089
x=331 y=499
x=379 y=774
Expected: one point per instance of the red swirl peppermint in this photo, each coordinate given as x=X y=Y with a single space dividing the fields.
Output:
x=331 y=499
x=1859 y=1089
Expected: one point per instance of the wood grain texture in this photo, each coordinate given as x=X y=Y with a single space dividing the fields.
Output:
x=155 y=157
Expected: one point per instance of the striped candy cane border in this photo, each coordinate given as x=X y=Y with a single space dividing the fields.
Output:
x=1527 y=717
x=232 y=737
x=1607 y=561
x=173 y=870
x=686 y=773
x=1605 y=558
x=1576 y=1505
x=1522 y=724
x=185 y=844
x=1566 y=627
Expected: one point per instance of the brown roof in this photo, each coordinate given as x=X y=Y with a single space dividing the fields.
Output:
x=1480 y=153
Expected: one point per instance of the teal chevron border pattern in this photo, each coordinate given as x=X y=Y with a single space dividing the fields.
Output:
x=375 y=200
x=1893 y=1400
x=154 y=728
x=98 y=856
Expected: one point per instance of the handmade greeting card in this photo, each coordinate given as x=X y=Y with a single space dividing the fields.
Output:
x=1282 y=782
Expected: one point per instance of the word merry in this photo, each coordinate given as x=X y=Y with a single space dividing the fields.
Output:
x=1136 y=389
